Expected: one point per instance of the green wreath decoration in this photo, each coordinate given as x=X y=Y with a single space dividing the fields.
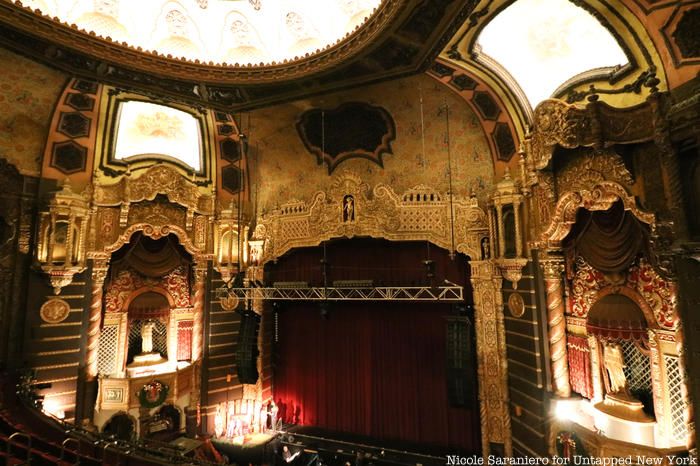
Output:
x=153 y=394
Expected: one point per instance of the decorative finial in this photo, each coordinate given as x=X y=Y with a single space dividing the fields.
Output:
x=506 y=175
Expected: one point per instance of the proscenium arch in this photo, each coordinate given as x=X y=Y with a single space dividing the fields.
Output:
x=599 y=197
x=462 y=248
x=615 y=16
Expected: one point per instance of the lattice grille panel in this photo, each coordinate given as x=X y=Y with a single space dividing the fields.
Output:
x=637 y=367
x=160 y=338
x=674 y=380
x=107 y=356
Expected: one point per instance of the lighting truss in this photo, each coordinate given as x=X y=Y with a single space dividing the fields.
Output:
x=385 y=293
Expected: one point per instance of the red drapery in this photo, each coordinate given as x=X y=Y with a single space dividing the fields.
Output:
x=376 y=369
x=184 y=340
x=580 y=365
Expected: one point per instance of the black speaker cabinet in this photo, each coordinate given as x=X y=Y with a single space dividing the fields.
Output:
x=461 y=377
x=247 y=351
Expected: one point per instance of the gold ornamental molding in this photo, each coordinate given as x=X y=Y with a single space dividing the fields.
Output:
x=155 y=232
x=350 y=208
x=87 y=42
x=54 y=311
x=597 y=125
x=159 y=179
x=598 y=197
x=492 y=363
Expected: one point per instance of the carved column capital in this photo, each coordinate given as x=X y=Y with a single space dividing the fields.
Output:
x=552 y=268
x=99 y=272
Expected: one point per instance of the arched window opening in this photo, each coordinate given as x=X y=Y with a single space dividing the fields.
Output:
x=544 y=43
x=157 y=132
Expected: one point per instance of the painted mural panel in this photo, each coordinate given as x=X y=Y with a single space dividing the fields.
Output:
x=286 y=170
x=28 y=94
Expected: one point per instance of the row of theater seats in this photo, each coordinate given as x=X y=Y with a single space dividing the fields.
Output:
x=19 y=446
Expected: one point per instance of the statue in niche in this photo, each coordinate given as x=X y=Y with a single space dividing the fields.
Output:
x=485 y=248
x=147 y=337
x=615 y=364
x=348 y=208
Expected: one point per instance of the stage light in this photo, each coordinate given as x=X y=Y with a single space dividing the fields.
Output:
x=566 y=410
x=53 y=408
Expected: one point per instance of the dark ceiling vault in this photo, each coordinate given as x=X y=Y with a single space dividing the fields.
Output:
x=407 y=44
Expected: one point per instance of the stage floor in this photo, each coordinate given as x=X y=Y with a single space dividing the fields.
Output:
x=245 y=449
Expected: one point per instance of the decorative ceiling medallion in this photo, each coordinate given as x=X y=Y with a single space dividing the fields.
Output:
x=54 y=311
x=352 y=130
x=516 y=305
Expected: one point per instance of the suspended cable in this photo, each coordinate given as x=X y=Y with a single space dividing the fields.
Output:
x=449 y=177
x=422 y=125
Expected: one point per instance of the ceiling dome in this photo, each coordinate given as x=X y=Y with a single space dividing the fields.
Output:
x=225 y=32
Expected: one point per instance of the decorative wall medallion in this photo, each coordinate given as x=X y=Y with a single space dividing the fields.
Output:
x=54 y=311
x=516 y=305
x=229 y=302
x=352 y=130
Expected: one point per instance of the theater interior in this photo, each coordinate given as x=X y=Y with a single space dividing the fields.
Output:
x=368 y=232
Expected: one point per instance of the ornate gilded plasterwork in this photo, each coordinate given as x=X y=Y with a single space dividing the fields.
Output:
x=556 y=123
x=54 y=311
x=420 y=213
x=600 y=196
x=654 y=295
x=492 y=372
x=159 y=179
x=155 y=232
x=193 y=70
x=590 y=169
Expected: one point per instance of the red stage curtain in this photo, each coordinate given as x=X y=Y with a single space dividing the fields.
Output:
x=376 y=369
x=580 y=365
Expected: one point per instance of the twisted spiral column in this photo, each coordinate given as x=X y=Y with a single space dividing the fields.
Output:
x=99 y=272
x=553 y=270
x=198 y=313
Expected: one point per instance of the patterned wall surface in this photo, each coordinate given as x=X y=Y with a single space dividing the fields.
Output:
x=28 y=94
x=286 y=170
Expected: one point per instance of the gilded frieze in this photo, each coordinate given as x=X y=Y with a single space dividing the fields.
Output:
x=350 y=208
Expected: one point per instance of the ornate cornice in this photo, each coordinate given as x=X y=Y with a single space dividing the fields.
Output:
x=400 y=38
x=72 y=37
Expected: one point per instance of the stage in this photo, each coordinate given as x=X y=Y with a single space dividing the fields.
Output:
x=253 y=448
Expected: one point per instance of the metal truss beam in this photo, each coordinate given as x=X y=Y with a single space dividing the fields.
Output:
x=386 y=293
